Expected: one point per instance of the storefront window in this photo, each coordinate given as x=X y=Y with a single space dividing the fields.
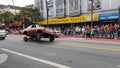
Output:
x=96 y=4
x=74 y=5
x=59 y=7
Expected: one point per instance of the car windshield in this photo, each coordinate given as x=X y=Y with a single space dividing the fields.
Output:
x=2 y=30
x=39 y=26
x=29 y=27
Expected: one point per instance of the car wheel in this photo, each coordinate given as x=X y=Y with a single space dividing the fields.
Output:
x=3 y=38
x=38 y=36
x=25 y=39
x=52 y=38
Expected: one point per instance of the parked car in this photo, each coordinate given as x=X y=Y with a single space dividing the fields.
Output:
x=3 y=34
x=57 y=32
x=37 y=32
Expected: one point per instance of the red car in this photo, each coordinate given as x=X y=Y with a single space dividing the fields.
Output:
x=37 y=32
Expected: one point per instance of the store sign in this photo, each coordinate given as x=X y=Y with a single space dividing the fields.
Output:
x=95 y=17
x=78 y=19
x=59 y=21
x=42 y=23
x=113 y=16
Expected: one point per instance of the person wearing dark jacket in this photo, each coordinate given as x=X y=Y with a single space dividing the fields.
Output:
x=118 y=31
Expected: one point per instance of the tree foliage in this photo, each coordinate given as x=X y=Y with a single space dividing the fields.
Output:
x=28 y=11
x=7 y=17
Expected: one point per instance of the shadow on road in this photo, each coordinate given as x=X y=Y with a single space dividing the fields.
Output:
x=42 y=41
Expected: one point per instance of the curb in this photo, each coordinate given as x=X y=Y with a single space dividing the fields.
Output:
x=76 y=38
x=102 y=40
x=90 y=39
x=15 y=35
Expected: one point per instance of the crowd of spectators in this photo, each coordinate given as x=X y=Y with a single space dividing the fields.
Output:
x=84 y=31
x=14 y=31
x=103 y=31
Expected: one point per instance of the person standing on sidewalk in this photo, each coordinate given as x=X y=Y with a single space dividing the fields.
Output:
x=111 y=30
x=118 y=31
x=106 y=29
x=115 y=31
x=77 y=30
x=88 y=32
x=102 y=31
x=83 y=31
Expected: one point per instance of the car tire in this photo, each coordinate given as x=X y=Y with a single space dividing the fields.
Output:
x=25 y=33
x=52 y=38
x=38 y=36
x=3 y=38
x=25 y=39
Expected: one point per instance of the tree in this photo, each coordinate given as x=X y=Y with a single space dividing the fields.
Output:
x=30 y=12
x=7 y=17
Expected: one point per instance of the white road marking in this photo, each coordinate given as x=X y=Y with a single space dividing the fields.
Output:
x=36 y=59
x=3 y=58
x=118 y=66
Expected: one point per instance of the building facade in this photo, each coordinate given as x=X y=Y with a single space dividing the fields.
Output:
x=100 y=6
x=12 y=9
x=41 y=5
x=75 y=9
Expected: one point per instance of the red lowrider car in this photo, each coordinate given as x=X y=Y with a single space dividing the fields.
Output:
x=37 y=32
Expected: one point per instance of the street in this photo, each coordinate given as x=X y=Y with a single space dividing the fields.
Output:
x=62 y=53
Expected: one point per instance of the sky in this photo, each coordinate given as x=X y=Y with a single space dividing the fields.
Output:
x=20 y=3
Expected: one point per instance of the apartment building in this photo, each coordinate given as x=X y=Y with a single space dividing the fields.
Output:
x=103 y=10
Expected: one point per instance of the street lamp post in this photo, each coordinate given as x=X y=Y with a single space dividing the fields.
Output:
x=91 y=13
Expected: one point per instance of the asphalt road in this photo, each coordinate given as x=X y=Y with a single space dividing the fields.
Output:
x=15 y=53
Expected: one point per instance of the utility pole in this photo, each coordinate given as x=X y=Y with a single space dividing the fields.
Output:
x=119 y=15
x=64 y=8
x=14 y=6
x=47 y=12
x=92 y=13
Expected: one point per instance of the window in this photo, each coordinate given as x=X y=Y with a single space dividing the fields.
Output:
x=74 y=6
x=96 y=4
x=59 y=7
x=33 y=26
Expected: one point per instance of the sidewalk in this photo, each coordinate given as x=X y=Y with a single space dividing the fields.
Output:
x=77 y=38
x=103 y=39
x=15 y=35
x=90 y=39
